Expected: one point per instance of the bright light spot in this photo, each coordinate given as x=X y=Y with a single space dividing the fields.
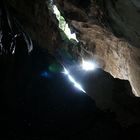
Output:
x=63 y=25
x=66 y=71
x=56 y=12
x=88 y=65
x=76 y=84
x=69 y=34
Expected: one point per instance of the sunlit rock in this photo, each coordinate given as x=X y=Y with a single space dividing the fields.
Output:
x=115 y=55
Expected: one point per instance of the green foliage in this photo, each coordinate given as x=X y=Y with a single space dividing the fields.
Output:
x=62 y=23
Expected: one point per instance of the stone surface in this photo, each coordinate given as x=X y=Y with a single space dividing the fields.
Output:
x=114 y=54
x=36 y=21
x=123 y=17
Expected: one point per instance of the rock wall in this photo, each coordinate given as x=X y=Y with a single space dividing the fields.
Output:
x=124 y=18
x=36 y=20
x=94 y=27
x=114 y=54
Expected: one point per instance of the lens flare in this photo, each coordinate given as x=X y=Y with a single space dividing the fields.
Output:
x=72 y=80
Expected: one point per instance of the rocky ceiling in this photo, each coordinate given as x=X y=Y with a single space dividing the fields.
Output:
x=108 y=29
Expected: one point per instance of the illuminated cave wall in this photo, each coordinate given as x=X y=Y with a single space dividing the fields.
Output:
x=94 y=28
x=96 y=23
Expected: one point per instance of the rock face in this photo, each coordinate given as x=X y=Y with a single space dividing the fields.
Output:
x=123 y=17
x=115 y=55
x=112 y=54
x=35 y=19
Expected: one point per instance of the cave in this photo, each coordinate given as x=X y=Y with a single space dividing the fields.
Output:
x=69 y=69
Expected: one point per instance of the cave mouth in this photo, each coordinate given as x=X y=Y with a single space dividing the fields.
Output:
x=63 y=25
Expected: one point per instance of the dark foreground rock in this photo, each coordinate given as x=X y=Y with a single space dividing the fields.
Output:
x=40 y=106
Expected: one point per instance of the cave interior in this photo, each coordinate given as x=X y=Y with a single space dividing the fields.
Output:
x=70 y=69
